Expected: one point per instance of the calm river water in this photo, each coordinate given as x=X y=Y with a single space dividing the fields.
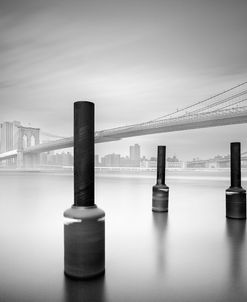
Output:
x=193 y=253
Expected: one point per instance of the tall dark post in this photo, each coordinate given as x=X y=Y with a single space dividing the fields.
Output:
x=235 y=165
x=160 y=190
x=83 y=154
x=84 y=226
x=161 y=165
x=235 y=194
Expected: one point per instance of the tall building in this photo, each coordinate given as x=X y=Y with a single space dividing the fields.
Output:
x=9 y=136
x=135 y=155
x=51 y=158
x=9 y=139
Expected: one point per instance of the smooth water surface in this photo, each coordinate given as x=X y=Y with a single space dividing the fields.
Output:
x=191 y=253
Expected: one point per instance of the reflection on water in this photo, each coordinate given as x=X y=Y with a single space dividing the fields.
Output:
x=192 y=253
x=235 y=230
x=88 y=291
x=160 y=221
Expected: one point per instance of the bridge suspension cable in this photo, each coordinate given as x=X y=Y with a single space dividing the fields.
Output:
x=51 y=135
x=183 y=111
x=221 y=102
x=204 y=107
x=212 y=105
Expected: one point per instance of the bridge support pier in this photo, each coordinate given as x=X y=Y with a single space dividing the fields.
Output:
x=19 y=160
x=28 y=161
x=31 y=161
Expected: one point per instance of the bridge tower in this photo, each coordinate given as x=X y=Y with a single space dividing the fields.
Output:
x=27 y=137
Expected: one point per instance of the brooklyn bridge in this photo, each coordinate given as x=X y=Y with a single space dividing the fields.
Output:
x=225 y=108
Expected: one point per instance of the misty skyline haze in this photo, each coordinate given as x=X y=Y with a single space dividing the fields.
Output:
x=136 y=60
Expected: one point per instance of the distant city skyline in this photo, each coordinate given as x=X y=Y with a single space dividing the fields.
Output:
x=173 y=157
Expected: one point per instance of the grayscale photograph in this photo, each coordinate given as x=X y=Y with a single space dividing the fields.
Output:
x=123 y=150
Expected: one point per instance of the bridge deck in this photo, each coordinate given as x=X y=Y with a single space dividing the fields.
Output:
x=178 y=124
x=186 y=122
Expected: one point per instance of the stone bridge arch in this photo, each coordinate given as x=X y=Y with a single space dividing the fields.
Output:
x=29 y=132
x=32 y=138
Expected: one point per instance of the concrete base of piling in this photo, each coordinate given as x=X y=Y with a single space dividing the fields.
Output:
x=236 y=203
x=84 y=242
x=160 y=198
x=88 y=277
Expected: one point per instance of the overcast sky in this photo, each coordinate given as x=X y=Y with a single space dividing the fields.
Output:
x=136 y=60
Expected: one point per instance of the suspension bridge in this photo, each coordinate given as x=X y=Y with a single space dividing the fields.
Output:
x=225 y=108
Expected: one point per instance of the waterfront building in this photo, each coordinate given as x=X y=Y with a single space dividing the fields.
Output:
x=67 y=159
x=175 y=164
x=57 y=159
x=51 y=158
x=135 y=155
x=96 y=160
x=148 y=163
x=197 y=164
x=124 y=161
x=111 y=160
x=43 y=158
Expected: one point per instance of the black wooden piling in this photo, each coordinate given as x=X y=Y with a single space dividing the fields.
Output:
x=83 y=154
x=235 y=165
x=161 y=165
x=84 y=225
x=160 y=190
x=235 y=194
